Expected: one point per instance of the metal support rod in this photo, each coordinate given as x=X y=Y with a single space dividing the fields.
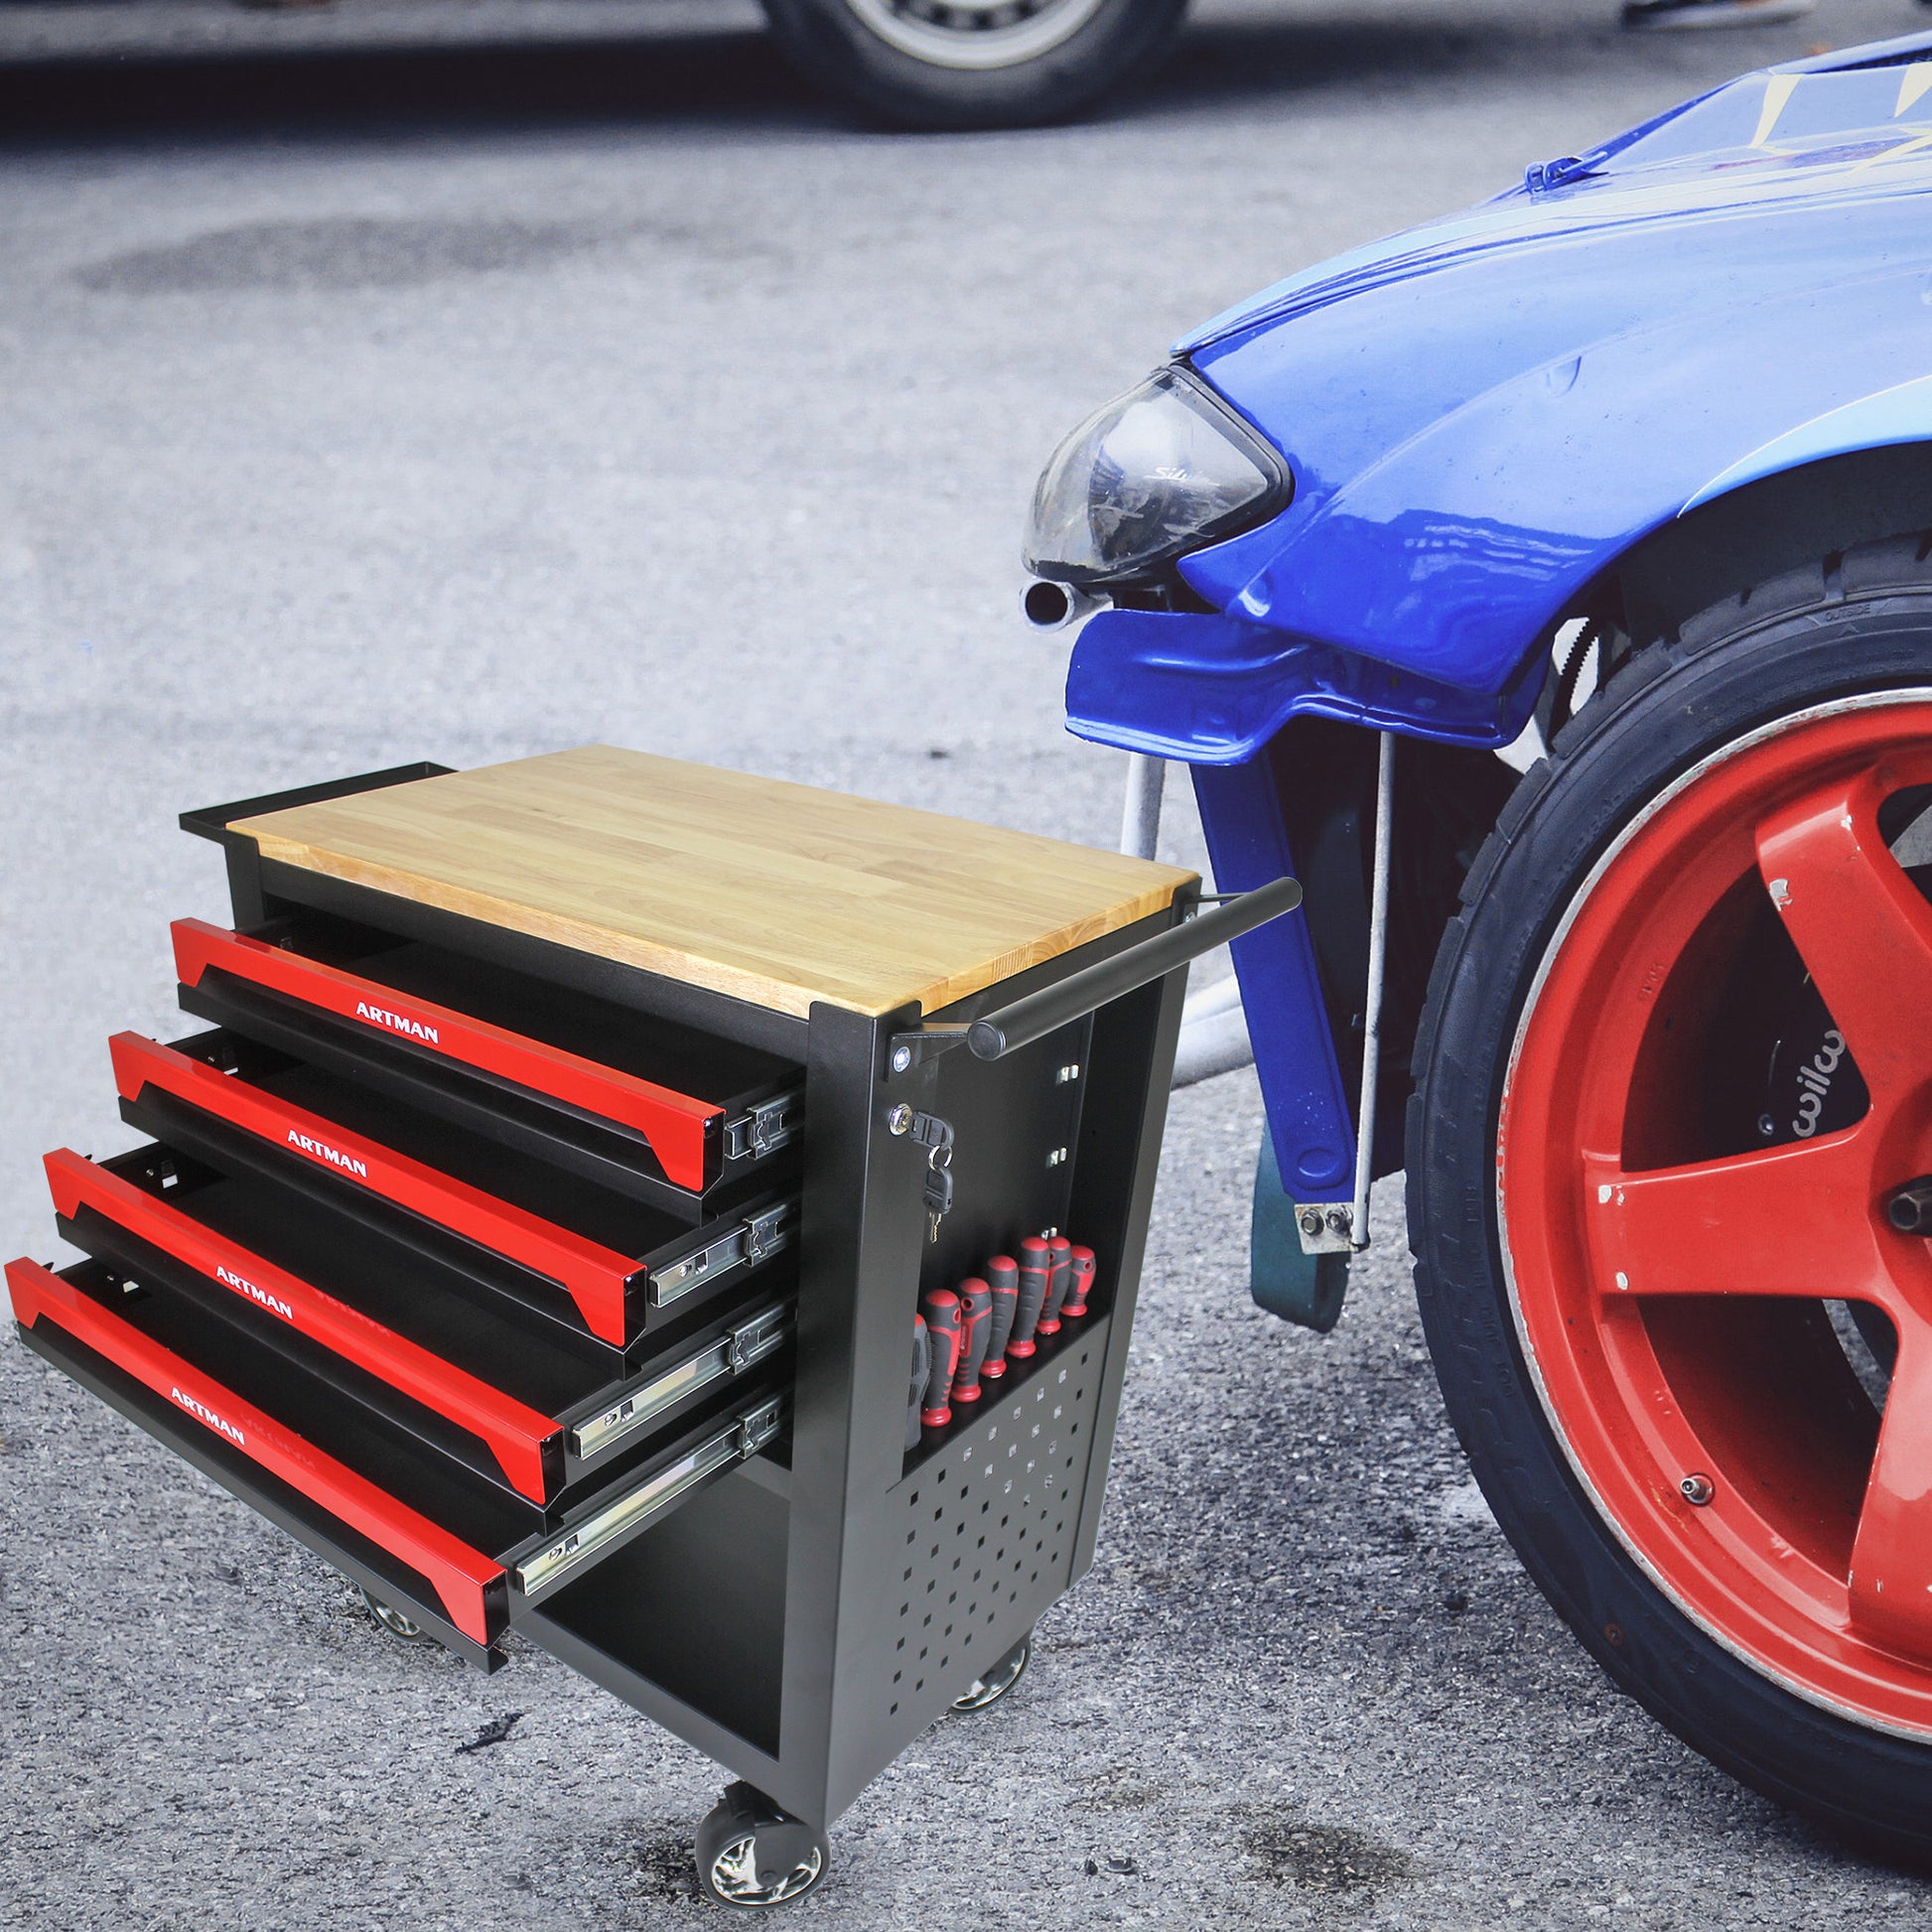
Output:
x=1213 y=1028
x=1139 y=819
x=1378 y=949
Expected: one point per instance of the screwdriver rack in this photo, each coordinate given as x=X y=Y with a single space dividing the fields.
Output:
x=549 y=1262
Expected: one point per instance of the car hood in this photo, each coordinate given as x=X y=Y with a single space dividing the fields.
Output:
x=1483 y=413
x=1769 y=144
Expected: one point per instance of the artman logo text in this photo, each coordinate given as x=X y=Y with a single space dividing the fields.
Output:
x=324 y=1152
x=397 y=1023
x=243 y=1285
x=202 y=1413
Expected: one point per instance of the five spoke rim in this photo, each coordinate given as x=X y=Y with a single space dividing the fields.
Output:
x=1669 y=1285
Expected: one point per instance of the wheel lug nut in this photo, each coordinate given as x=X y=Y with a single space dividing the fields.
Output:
x=1697 y=1488
x=1911 y=1209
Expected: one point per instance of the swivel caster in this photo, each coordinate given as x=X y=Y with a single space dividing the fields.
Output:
x=751 y=1855
x=998 y=1681
x=395 y=1621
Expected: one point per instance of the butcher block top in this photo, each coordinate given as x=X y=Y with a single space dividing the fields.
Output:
x=774 y=893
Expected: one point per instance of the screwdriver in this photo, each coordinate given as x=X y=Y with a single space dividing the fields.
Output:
x=1058 y=1248
x=975 y=1325
x=922 y=1368
x=1036 y=1263
x=1080 y=1266
x=940 y=1307
x=1003 y=1281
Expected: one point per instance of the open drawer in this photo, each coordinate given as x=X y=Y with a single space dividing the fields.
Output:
x=643 y=1105
x=383 y=1541
x=346 y=1484
x=614 y=1266
x=519 y=1403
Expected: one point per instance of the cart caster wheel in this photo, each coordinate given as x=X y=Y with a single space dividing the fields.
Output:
x=751 y=1855
x=998 y=1681
x=393 y=1621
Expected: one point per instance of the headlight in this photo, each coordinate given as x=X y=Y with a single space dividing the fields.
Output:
x=1161 y=469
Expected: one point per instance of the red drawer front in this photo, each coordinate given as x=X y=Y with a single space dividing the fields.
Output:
x=458 y=1574
x=592 y=1274
x=673 y=1123
x=517 y=1435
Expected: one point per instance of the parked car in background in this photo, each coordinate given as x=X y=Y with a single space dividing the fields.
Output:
x=975 y=64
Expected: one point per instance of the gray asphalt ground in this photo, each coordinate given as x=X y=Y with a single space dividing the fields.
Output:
x=374 y=403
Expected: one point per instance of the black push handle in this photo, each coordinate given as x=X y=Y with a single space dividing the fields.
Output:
x=995 y=1034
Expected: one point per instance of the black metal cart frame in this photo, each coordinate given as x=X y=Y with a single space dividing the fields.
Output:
x=807 y=1610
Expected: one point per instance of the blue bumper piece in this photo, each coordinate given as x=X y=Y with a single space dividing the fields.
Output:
x=1281 y=985
x=1211 y=689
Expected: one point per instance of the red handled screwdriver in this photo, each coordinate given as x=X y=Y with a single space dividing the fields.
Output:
x=1036 y=1264
x=975 y=1329
x=921 y=1370
x=1080 y=1266
x=940 y=1307
x=1003 y=1281
x=1058 y=1279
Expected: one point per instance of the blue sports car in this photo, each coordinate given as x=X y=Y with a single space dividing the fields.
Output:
x=1625 y=474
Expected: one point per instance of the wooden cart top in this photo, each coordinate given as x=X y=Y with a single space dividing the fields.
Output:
x=773 y=893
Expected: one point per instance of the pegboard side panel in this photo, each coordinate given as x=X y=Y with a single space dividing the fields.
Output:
x=973 y=1547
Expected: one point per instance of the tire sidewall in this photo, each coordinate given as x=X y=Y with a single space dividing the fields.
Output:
x=1674 y=706
x=837 y=48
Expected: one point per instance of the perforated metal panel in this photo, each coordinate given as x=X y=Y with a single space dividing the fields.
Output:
x=987 y=1532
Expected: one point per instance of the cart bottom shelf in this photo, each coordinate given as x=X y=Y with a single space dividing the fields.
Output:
x=688 y=1621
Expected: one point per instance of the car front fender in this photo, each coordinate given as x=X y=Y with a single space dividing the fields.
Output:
x=1473 y=447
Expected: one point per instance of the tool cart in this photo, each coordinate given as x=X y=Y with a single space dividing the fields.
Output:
x=574 y=1155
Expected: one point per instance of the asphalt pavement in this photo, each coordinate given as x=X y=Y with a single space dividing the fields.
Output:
x=468 y=380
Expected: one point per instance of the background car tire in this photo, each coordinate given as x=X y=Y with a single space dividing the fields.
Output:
x=1639 y=1572
x=971 y=63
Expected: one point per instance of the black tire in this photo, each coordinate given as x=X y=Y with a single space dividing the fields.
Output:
x=753 y=1856
x=1860 y=623
x=846 y=46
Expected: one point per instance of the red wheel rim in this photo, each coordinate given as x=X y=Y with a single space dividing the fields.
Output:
x=1669 y=1292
